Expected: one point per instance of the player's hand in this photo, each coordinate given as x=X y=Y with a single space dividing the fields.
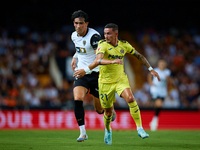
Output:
x=73 y=64
x=117 y=61
x=155 y=74
x=79 y=73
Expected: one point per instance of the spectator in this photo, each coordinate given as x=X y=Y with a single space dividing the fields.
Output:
x=24 y=60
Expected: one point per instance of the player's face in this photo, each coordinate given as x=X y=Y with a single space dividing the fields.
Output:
x=162 y=65
x=110 y=36
x=80 y=26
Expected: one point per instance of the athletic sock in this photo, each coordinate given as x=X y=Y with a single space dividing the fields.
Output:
x=135 y=113
x=138 y=128
x=79 y=112
x=82 y=129
x=157 y=111
x=107 y=121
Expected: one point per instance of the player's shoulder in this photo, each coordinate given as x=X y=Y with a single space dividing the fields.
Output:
x=103 y=41
x=74 y=35
x=92 y=31
x=123 y=41
x=167 y=71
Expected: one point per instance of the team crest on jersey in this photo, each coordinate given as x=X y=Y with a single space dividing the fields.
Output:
x=99 y=48
x=122 y=51
x=84 y=42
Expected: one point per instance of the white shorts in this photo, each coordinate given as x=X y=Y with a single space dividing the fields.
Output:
x=158 y=92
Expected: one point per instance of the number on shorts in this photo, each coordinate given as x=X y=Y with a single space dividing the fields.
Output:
x=102 y=97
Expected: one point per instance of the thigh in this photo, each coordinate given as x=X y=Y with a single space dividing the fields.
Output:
x=97 y=104
x=82 y=82
x=159 y=102
x=81 y=87
x=121 y=85
x=93 y=84
x=79 y=92
x=107 y=94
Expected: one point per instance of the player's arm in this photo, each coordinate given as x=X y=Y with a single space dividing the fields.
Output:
x=144 y=61
x=73 y=62
x=101 y=61
x=150 y=79
x=98 y=61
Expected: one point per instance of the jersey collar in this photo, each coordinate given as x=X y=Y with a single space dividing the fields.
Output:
x=85 y=33
x=116 y=45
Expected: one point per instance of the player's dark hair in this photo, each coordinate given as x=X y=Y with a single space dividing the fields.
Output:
x=112 y=25
x=80 y=14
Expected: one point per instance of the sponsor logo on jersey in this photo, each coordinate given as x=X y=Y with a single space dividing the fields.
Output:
x=99 y=48
x=95 y=42
x=109 y=48
x=115 y=57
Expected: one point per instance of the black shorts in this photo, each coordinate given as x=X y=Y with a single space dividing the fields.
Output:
x=89 y=81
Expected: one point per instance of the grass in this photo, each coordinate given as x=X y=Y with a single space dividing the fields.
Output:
x=122 y=140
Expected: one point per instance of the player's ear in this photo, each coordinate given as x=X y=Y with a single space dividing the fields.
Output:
x=87 y=23
x=116 y=32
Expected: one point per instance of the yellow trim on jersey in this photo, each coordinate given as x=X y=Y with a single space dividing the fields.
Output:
x=113 y=72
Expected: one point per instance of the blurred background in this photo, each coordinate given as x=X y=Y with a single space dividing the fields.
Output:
x=36 y=50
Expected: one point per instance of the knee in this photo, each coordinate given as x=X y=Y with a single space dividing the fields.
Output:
x=158 y=103
x=99 y=110
x=79 y=98
x=108 y=113
x=130 y=99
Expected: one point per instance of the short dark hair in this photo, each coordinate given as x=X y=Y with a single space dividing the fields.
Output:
x=80 y=14
x=112 y=25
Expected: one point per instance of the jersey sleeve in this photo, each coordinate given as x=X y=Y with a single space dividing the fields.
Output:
x=101 y=47
x=130 y=48
x=72 y=37
x=168 y=72
x=94 y=41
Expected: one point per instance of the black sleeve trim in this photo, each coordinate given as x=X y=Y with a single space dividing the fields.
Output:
x=94 y=41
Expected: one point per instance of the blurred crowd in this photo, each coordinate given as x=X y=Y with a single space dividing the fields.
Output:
x=26 y=81
x=181 y=49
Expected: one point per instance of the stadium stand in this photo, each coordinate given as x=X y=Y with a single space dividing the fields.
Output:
x=27 y=58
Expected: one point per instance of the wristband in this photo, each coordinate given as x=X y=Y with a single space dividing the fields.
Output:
x=100 y=61
x=75 y=55
x=150 y=68
x=87 y=70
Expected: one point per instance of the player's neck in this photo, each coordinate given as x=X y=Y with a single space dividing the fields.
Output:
x=162 y=69
x=84 y=33
x=114 y=43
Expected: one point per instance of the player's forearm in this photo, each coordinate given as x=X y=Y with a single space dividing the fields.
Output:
x=93 y=65
x=149 y=79
x=142 y=59
x=102 y=61
x=97 y=62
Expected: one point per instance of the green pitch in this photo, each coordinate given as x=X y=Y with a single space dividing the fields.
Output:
x=122 y=140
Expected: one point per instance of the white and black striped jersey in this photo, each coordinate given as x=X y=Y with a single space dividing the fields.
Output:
x=85 y=46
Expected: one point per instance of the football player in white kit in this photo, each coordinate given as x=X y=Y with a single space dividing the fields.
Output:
x=158 y=90
x=86 y=42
